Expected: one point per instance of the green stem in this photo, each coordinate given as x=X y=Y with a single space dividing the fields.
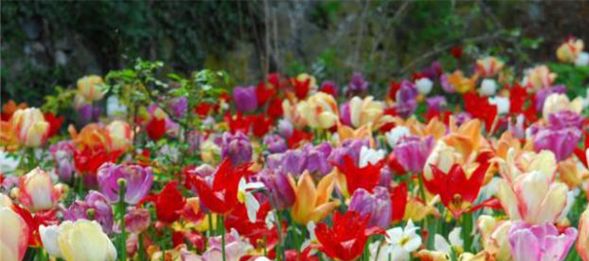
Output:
x=141 y=248
x=121 y=209
x=279 y=252
x=223 y=237
x=211 y=230
x=467 y=225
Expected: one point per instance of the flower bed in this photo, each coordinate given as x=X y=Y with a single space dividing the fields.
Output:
x=486 y=163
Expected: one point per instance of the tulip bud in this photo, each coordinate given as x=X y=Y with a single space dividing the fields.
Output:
x=30 y=127
x=90 y=88
x=36 y=191
x=14 y=234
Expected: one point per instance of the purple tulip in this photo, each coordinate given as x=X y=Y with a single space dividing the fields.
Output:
x=275 y=143
x=345 y=114
x=179 y=106
x=138 y=178
x=561 y=142
x=63 y=155
x=94 y=203
x=285 y=128
x=357 y=85
x=433 y=71
x=436 y=103
x=446 y=86
x=406 y=99
x=540 y=242
x=88 y=113
x=137 y=220
x=350 y=148
x=543 y=93
x=377 y=206
x=412 y=152
x=293 y=162
x=565 y=119
x=386 y=176
x=245 y=98
x=237 y=147
x=281 y=193
x=316 y=158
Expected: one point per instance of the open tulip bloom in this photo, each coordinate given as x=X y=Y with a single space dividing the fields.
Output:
x=475 y=162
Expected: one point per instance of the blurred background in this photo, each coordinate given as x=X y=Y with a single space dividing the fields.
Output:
x=48 y=44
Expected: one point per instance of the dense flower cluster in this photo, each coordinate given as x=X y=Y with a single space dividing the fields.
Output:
x=447 y=165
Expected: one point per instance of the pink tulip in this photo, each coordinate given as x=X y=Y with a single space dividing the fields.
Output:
x=540 y=242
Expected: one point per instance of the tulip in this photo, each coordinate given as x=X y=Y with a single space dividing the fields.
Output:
x=456 y=190
x=282 y=195
x=329 y=87
x=179 y=106
x=285 y=128
x=156 y=125
x=121 y=135
x=367 y=112
x=357 y=85
x=412 y=152
x=36 y=191
x=562 y=142
x=220 y=196
x=319 y=111
x=275 y=143
x=168 y=203
x=583 y=240
x=138 y=181
x=236 y=147
x=540 y=242
x=494 y=236
x=14 y=232
x=90 y=88
x=460 y=83
x=137 y=220
x=533 y=197
x=96 y=207
x=565 y=119
x=424 y=85
x=357 y=177
x=245 y=98
x=30 y=127
x=569 y=51
x=79 y=240
x=488 y=66
x=539 y=77
x=346 y=239
x=235 y=248
x=405 y=99
x=377 y=206
x=63 y=154
x=560 y=102
x=349 y=148
x=436 y=103
x=312 y=202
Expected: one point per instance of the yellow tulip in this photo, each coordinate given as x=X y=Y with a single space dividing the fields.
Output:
x=312 y=203
x=121 y=135
x=572 y=173
x=84 y=240
x=30 y=127
x=89 y=87
x=417 y=210
x=319 y=111
x=347 y=133
x=533 y=197
x=539 y=77
x=461 y=83
x=367 y=112
x=570 y=50
x=560 y=102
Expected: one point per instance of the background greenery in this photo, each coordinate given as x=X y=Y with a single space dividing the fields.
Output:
x=44 y=44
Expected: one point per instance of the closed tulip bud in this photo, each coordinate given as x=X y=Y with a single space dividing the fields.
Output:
x=30 y=127
x=36 y=191
x=376 y=206
x=90 y=88
x=121 y=135
x=245 y=98
x=569 y=50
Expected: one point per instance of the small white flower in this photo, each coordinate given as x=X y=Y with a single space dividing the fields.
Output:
x=424 y=85
x=582 y=59
x=394 y=135
x=442 y=245
x=403 y=241
x=488 y=87
x=245 y=195
x=502 y=104
x=368 y=155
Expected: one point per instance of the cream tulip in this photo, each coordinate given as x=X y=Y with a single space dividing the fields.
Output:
x=367 y=112
x=30 y=127
x=560 y=102
x=319 y=111
x=14 y=232
x=36 y=191
x=90 y=87
x=82 y=240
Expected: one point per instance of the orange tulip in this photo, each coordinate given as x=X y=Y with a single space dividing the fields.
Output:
x=312 y=202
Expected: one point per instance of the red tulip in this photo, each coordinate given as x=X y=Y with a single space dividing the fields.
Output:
x=356 y=177
x=54 y=123
x=399 y=202
x=221 y=197
x=581 y=153
x=156 y=128
x=456 y=191
x=168 y=203
x=480 y=108
x=238 y=122
x=346 y=239
x=301 y=88
x=256 y=231
x=260 y=125
x=274 y=110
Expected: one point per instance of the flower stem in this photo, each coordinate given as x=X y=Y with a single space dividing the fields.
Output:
x=121 y=209
x=467 y=226
x=223 y=237
x=279 y=252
